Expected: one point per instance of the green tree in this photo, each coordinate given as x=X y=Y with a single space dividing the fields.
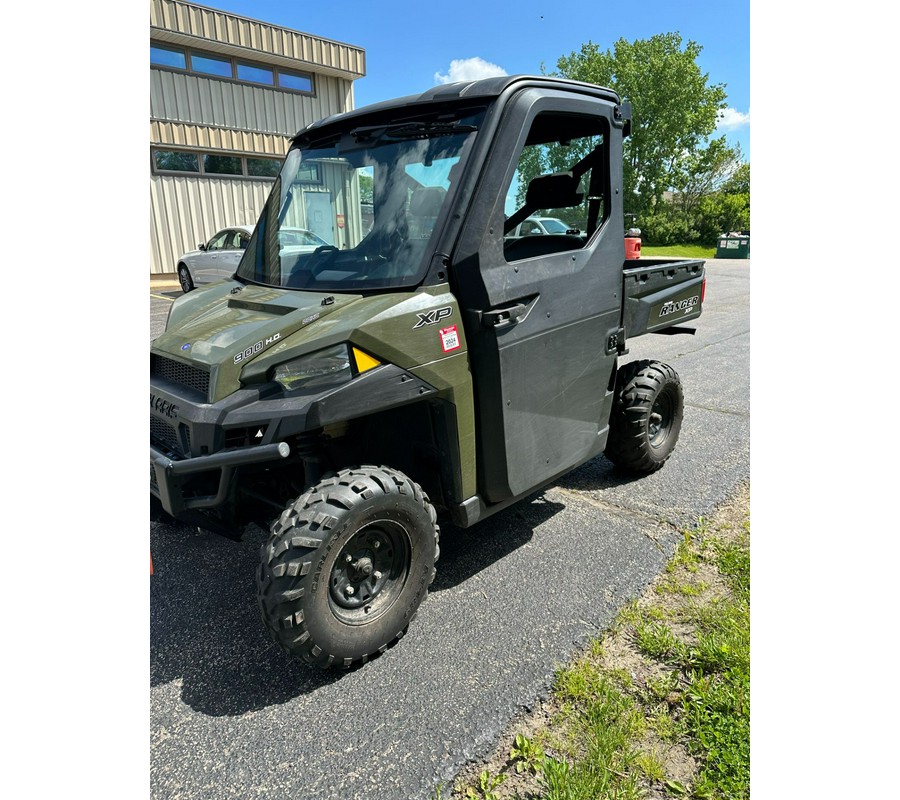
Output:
x=727 y=209
x=704 y=172
x=739 y=182
x=366 y=193
x=674 y=107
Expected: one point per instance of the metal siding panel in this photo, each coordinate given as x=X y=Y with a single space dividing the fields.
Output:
x=204 y=107
x=192 y=90
x=264 y=110
x=166 y=93
x=224 y=105
x=180 y=97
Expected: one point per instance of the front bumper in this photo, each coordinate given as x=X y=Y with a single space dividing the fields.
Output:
x=197 y=448
x=167 y=476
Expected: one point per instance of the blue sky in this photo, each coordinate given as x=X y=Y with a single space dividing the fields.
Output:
x=411 y=46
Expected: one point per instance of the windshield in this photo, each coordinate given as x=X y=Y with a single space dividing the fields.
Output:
x=356 y=211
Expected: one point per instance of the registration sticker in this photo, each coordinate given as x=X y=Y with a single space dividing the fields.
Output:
x=449 y=339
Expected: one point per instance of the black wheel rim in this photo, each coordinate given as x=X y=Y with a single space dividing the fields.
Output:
x=183 y=277
x=660 y=422
x=369 y=572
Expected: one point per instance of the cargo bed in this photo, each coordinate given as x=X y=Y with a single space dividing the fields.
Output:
x=660 y=293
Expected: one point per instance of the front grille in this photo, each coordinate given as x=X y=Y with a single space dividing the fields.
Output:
x=187 y=375
x=162 y=436
x=165 y=437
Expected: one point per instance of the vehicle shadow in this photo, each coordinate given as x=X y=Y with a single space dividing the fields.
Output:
x=467 y=551
x=205 y=627
x=598 y=473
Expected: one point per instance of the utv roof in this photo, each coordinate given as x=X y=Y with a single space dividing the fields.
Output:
x=451 y=92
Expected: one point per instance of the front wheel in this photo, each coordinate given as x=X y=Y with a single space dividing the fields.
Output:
x=184 y=278
x=648 y=407
x=347 y=566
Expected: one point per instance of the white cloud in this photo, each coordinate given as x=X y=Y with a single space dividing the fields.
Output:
x=730 y=119
x=469 y=69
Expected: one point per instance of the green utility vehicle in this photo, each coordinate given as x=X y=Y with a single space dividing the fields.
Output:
x=421 y=363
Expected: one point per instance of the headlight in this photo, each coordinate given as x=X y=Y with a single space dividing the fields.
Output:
x=328 y=367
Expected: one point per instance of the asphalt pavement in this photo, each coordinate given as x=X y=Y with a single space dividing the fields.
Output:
x=514 y=597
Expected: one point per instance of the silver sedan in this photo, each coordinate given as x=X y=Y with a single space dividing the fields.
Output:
x=216 y=260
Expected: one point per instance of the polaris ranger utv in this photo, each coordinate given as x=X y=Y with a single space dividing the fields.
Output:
x=421 y=362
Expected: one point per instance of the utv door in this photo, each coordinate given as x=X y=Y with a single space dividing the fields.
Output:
x=542 y=312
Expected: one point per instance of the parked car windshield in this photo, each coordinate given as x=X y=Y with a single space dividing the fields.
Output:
x=356 y=209
x=552 y=225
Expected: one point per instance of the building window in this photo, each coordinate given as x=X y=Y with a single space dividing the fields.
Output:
x=218 y=66
x=308 y=173
x=294 y=81
x=254 y=74
x=220 y=165
x=211 y=65
x=263 y=167
x=167 y=57
x=175 y=161
x=214 y=164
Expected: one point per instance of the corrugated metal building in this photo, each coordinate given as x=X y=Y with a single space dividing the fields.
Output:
x=226 y=95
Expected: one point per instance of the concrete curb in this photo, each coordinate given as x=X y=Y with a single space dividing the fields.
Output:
x=163 y=282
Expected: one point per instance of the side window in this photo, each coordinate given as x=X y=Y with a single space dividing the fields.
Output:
x=218 y=241
x=558 y=194
x=244 y=241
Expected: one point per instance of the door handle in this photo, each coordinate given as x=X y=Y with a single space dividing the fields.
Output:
x=498 y=317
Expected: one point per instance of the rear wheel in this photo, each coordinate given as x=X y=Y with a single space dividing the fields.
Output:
x=648 y=408
x=184 y=278
x=347 y=566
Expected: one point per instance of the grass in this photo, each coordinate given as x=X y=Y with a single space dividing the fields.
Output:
x=685 y=250
x=661 y=704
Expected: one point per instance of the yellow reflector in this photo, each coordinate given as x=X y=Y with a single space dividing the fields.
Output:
x=364 y=362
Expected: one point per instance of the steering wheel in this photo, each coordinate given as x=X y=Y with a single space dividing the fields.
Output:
x=319 y=254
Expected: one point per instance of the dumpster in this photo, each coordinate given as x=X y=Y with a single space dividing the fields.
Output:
x=733 y=247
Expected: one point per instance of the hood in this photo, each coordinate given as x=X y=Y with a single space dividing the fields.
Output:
x=231 y=322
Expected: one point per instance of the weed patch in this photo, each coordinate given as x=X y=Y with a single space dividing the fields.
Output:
x=660 y=706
